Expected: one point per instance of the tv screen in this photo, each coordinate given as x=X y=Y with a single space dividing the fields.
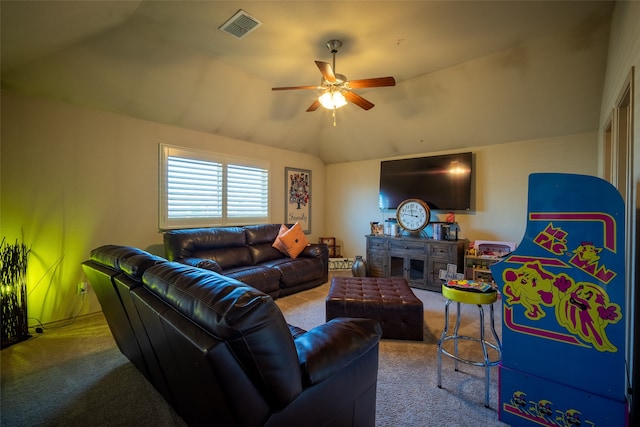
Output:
x=444 y=182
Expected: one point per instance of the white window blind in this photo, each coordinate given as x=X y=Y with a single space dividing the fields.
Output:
x=194 y=188
x=247 y=191
x=204 y=189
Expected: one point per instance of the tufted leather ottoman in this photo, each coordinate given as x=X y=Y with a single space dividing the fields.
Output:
x=387 y=300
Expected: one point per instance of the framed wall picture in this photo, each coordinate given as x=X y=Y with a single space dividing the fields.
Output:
x=297 y=204
x=329 y=241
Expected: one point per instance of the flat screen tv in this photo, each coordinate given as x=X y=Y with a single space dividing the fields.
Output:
x=444 y=182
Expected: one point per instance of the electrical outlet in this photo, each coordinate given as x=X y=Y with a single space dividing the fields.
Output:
x=82 y=288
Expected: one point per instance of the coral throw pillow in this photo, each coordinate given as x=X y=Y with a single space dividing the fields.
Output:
x=278 y=243
x=294 y=240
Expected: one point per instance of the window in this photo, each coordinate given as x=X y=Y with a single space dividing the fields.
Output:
x=199 y=188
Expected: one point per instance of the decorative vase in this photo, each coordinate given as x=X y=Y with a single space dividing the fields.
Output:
x=359 y=268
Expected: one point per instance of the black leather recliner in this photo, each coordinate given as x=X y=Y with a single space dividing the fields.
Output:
x=221 y=352
x=246 y=253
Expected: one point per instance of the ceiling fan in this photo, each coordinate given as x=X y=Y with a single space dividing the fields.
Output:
x=335 y=89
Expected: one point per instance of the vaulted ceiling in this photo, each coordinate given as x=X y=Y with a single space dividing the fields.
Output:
x=468 y=73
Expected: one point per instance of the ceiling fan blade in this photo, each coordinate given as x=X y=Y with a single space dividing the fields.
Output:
x=326 y=70
x=358 y=100
x=294 y=87
x=375 y=82
x=314 y=106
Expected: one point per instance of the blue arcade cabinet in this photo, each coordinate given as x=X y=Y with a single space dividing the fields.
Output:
x=563 y=292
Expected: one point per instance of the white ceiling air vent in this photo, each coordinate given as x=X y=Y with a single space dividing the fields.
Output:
x=240 y=24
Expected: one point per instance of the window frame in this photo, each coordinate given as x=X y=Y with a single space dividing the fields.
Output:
x=166 y=223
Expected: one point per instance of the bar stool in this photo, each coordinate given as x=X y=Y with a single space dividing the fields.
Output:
x=479 y=294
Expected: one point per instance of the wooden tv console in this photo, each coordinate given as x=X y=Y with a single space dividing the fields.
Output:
x=415 y=258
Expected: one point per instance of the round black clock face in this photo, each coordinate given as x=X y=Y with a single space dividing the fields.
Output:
x=413 y=214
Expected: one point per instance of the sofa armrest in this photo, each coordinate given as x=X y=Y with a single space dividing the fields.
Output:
x=327 y=348
x=207 y=264
x=315 y=250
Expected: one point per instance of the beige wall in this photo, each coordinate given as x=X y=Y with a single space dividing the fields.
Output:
x=74 y=179
x=500 y=186
x=624 y=53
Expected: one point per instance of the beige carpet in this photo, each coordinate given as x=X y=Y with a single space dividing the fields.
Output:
x=407 y=377
x=74 y=375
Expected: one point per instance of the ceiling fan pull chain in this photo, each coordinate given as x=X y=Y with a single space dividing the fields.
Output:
x=334 y=116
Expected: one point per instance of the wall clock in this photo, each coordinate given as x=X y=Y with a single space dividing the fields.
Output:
x=413 y=214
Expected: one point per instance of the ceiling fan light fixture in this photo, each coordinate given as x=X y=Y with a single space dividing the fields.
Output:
x=332 y=100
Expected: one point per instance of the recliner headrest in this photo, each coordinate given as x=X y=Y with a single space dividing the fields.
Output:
x=131 y=261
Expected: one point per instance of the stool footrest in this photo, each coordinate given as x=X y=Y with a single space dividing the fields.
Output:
x=482 y=363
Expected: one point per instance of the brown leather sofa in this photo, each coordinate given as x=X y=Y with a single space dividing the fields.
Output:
x=245 y=253
x=221 y=352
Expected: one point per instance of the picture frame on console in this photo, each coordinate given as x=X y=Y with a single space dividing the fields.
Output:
x=297 y=204
x=329 y=241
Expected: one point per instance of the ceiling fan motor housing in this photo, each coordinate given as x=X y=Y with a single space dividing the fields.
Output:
x=341 y=79
x=334 y=45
